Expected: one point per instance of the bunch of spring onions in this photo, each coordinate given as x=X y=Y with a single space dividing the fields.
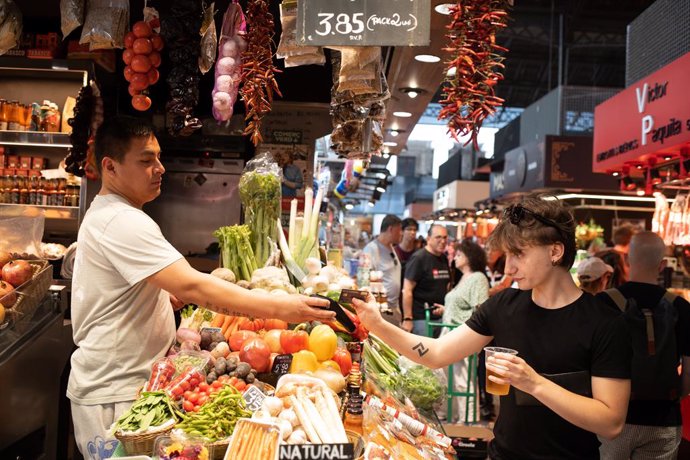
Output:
x=236 y=250
x=303 y=235
x=260 y=194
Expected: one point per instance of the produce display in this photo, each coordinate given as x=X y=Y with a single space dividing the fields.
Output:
x=152 y=409
x=216 y=419
x=13 y=274
x=142 y=58
x=236 y=250
x=254 y=440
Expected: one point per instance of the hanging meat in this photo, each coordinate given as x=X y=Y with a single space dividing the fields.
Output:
x=469 y=96
x=180 y=30
x=258 y=73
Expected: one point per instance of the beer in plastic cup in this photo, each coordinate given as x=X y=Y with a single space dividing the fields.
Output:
x=492 y=387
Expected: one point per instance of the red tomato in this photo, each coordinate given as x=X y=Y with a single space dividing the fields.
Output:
x=142 y=46
x=153 y=76
x=238 y=338
x=141 y=29
x=139 y=81
x=155 y=59
x=241 y=385
x=194 y=382
x=187 y=394
x=141 y=63
x=193 y=397
x=256 y=353
x=203 y=386
x=129 y=40
x=196 y=408
x=185 y=385
x=133 y=92
x=157 y=42
x=141 y=102
x=188 y=406
x=127 y=56
x=177 y=392
x=129 y=73
x=216 y=385
x=202 y=399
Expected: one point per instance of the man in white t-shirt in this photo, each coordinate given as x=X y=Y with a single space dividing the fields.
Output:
x=384 y=259
x=124 y=274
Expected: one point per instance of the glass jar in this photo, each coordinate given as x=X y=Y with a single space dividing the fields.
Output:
x=4 y=114
x=14 y=121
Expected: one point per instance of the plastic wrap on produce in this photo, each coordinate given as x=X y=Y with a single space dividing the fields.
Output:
x=10 y=25
x=106 y=24
x=289 y=48
x=71 y=15
x=21 y=230
x=207 y=54
x=228 y=75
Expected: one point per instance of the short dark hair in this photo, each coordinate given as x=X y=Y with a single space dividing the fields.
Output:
x=476 y=256
x=115 y=135
x=432 y=227
x=409 y=222
x=389 y=221
x=531 y=232
x=622 y=235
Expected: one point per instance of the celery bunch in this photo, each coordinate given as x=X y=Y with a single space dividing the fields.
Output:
x=236 y=250
x=260 y=194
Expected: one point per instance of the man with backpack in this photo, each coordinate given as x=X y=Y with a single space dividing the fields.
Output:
x=659 y=327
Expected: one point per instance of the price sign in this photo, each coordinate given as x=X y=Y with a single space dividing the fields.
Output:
x=317 y=451
x=363 y=22
x=281 y=364
x=254 y=398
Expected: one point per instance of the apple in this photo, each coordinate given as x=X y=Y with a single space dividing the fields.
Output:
x=7 y=294
x=17 y=272
x=4 y=258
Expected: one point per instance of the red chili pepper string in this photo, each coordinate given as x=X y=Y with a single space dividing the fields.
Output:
x=469 y=95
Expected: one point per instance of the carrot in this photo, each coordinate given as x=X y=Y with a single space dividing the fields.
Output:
x=218 y=320
x=226 y=323
x=234 y=327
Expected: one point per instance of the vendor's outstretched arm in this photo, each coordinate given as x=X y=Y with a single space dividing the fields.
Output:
x=430 y=352
x=192 y=286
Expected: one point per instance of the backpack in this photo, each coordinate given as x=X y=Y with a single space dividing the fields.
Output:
x=655 y=351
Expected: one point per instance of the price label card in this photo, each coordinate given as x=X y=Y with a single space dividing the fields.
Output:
x=317 y=451
x=281 y=364
x=364 y=22
x=254 y=398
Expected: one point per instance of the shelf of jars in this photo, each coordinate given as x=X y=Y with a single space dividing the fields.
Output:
x=51 y=212
x=35 y=139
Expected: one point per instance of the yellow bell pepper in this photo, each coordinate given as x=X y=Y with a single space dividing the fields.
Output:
x=330 y=364
x=303 y=361
x=323 y=342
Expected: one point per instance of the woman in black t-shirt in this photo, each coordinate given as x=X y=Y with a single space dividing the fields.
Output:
x=570 y=379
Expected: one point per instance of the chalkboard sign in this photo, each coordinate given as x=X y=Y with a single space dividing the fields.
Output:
x=286 y=137
x=317 y=452
x=253 y=397
x=363 y=22
x=281 y=364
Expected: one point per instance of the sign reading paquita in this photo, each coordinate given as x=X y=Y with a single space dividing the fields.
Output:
x=363 y=22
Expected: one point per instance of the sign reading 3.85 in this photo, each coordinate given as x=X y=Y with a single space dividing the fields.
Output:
x=363 y=22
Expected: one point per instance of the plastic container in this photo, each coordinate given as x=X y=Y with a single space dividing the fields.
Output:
x=254 y=440
x=178 y=445
x=162 y=373
x=300 y=379
x=187 y=358
x=188 y=379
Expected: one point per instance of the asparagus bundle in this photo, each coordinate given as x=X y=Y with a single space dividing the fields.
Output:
x=236 y=250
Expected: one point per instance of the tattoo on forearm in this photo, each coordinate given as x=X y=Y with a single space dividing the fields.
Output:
x=224 y=310
x=421 y=349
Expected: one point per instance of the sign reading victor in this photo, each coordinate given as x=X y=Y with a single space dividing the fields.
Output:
x=648 y=118
x=363 y=22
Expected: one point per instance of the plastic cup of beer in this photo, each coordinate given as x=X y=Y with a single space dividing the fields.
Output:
x=492 y=387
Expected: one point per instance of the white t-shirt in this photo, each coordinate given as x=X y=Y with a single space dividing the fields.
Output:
x=386 y=260
x=121 y=323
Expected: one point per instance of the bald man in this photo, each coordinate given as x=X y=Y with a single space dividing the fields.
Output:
x=653 y=424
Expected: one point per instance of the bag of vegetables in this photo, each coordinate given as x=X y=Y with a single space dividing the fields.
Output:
x=422 y=385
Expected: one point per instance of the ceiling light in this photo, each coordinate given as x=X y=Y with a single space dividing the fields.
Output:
x=394 y=132
x=443 y=8
x=402 y=114
x=370 y=204
x=442 y=218
x=640 y=192
x=390 y=144
x=386 y=155
x=452 y=71
x=430 y=58
x=412 y=92
x=615 y=174
x=349 y=206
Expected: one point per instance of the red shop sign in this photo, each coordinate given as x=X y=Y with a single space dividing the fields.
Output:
x=651 y=116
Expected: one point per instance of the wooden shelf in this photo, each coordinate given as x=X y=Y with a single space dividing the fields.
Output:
x=52 y=212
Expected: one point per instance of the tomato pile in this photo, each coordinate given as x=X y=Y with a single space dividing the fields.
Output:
x=142 y=58
x=193 y=399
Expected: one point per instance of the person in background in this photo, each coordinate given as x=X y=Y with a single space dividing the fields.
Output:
x=420 y=242
x=384 y=259
x=617 y=257
x=570 y=379
x=653 y=425
x=126 y=274
x=460 y=303
x=496 y=262
x=293 y=178
x=594 y=275
x=427 y=278
x=407 y=247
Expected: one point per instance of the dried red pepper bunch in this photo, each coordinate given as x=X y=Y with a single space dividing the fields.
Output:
x=469 y=93
x=258 y=72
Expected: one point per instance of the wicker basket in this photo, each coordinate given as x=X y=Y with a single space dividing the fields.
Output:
x=216 y=450
x=355 y=439
x=30 y=294
x=143 y=443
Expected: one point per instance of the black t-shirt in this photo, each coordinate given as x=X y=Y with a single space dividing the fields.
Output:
x=656 y=413
x=583 y=336
x=432 y=276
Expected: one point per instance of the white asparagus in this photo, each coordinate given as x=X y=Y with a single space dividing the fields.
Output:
x=337 y=423
x=308 y=197
x=322 y=428
x=292 y=235
x=304 y=420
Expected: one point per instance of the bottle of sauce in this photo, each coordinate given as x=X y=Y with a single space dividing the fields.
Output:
x=4 y=114
x=23 y=190
x=41 y=196
x=353 y=414
x=14 y=191
x=14 y=122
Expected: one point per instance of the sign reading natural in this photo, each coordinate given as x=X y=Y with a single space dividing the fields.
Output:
x=364 y=22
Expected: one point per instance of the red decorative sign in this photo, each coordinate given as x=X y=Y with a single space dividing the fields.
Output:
x=649 y=118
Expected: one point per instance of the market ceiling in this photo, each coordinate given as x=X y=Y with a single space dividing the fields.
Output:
x=594 y=37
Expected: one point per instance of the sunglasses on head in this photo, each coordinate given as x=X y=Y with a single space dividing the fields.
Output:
x=515 y=213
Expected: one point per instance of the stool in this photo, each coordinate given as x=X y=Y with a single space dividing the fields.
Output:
x=470 y=394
